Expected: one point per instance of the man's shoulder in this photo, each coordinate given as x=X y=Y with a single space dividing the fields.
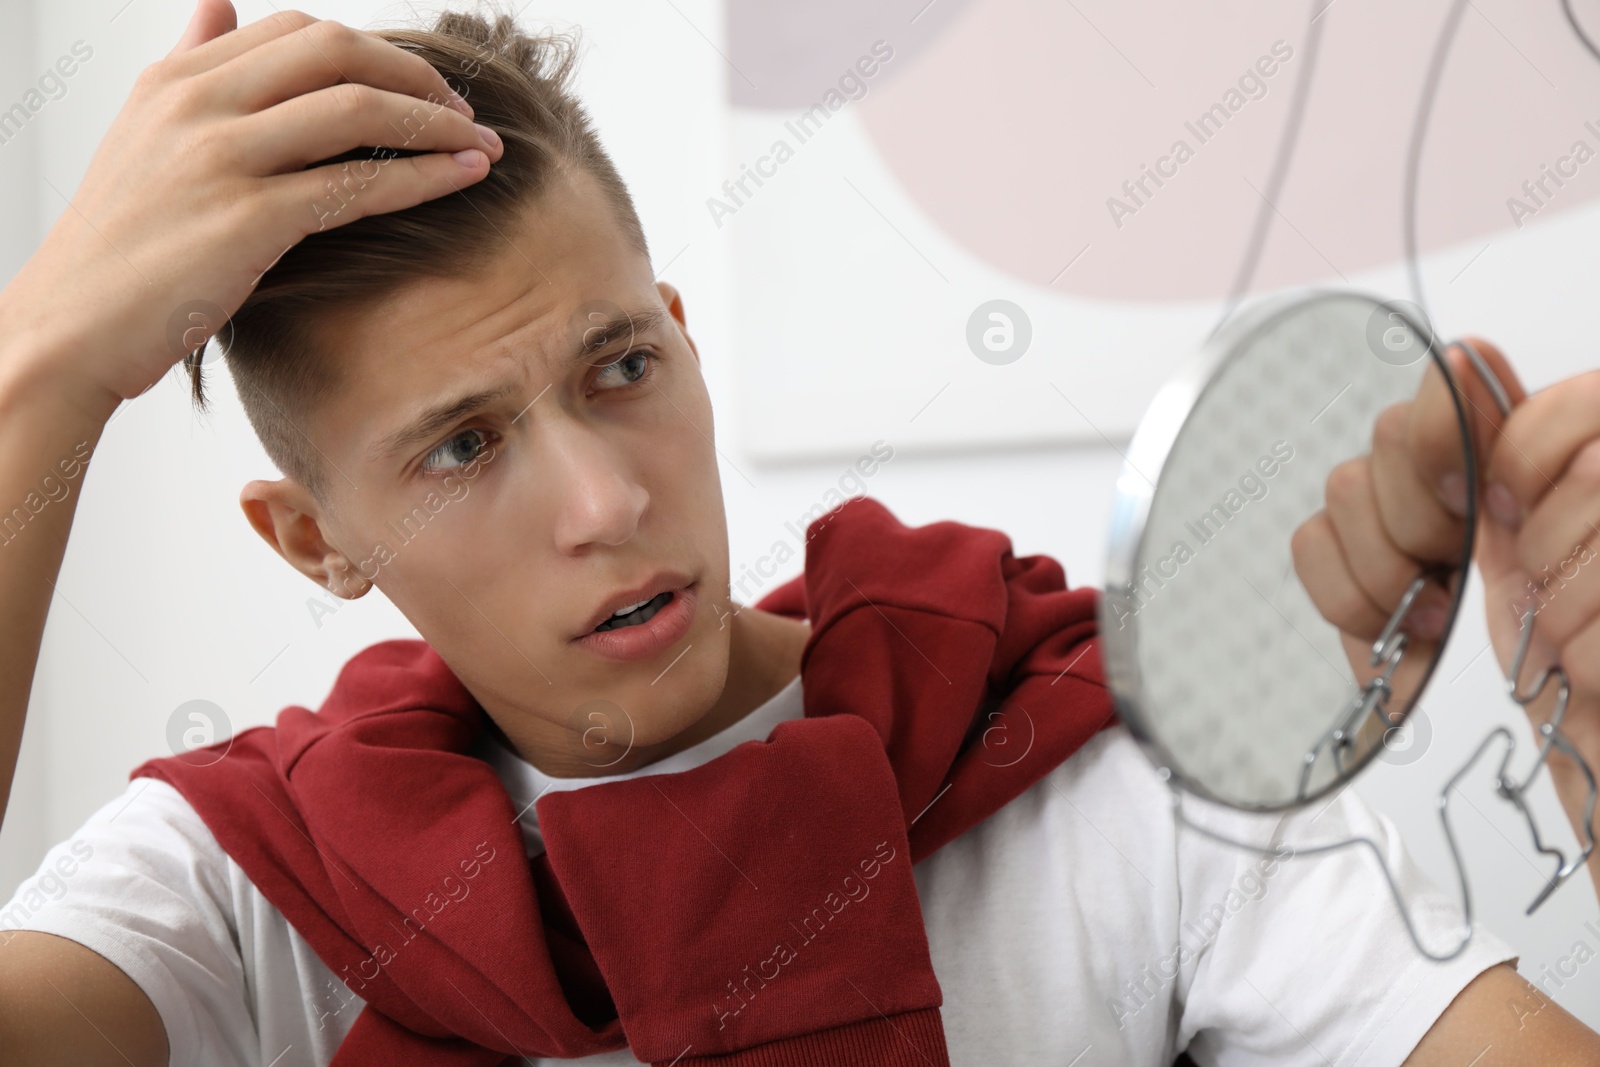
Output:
x=1107 y=791
x=147 y=835
x=144 y=883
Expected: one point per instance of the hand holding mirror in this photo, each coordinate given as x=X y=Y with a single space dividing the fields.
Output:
x=1290 y=543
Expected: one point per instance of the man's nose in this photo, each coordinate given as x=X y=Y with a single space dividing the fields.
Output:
x=600 y=501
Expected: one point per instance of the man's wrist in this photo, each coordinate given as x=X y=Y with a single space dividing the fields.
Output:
x=37 y=362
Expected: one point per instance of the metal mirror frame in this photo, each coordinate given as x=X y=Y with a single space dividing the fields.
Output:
x=1140 y=478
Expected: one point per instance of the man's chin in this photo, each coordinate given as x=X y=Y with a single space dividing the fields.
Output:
x=647 y=711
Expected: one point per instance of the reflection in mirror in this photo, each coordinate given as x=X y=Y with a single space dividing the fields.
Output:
x=1263 y=631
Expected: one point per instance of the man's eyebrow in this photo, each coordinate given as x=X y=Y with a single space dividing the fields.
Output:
x=436 y=418
x=622 y=325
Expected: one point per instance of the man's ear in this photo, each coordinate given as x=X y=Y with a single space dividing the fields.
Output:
x=674 y=301
x=285 y=515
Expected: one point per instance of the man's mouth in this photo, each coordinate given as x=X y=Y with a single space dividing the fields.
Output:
x=645 y=622
x=636 y=614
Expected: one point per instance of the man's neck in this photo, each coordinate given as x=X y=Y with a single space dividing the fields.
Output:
x=763 y=656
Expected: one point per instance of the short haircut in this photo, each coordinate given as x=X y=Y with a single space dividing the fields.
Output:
x=519 y=85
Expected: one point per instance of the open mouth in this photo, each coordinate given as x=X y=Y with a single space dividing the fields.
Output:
x=636 y=614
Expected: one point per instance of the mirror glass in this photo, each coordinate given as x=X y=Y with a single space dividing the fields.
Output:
x=1237 y=680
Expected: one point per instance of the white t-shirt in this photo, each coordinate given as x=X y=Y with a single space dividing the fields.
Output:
x=1079 y=925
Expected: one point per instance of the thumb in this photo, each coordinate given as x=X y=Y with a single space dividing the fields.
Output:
x=211 y=19
x=1495 y=552
x=1504 y=581
x=1478 y=397
x=1508 y=590
x=1509 y=593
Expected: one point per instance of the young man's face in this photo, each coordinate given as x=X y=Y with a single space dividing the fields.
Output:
x=506 y=533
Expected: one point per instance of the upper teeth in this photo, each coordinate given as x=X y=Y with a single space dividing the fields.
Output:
x=630 y=609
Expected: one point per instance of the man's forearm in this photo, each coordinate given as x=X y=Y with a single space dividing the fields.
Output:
x=47 y=430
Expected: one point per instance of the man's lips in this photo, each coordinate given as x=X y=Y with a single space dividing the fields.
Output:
x=664 y=582
x=651 y=638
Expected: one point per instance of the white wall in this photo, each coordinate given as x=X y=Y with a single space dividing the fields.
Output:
x=167 y=596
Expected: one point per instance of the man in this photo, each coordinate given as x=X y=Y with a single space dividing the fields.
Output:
x=470 y=338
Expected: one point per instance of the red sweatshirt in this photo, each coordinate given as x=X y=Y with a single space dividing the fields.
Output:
x=942 y=678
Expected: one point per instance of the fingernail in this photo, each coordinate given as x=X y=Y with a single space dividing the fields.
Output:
x=1453 y=492
x=488 y=136
x=1503 y=506
x=459 y=102
x=468 y=157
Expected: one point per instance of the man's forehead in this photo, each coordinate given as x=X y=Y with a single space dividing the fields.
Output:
x=526 y=345
x=563 y=274
x=441 y=332
x=565 y=257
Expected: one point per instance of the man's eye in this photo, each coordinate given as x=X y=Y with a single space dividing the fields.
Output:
x=626 y=370
x=457 y=451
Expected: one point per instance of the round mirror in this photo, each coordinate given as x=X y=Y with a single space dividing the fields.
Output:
x=1220 y=661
